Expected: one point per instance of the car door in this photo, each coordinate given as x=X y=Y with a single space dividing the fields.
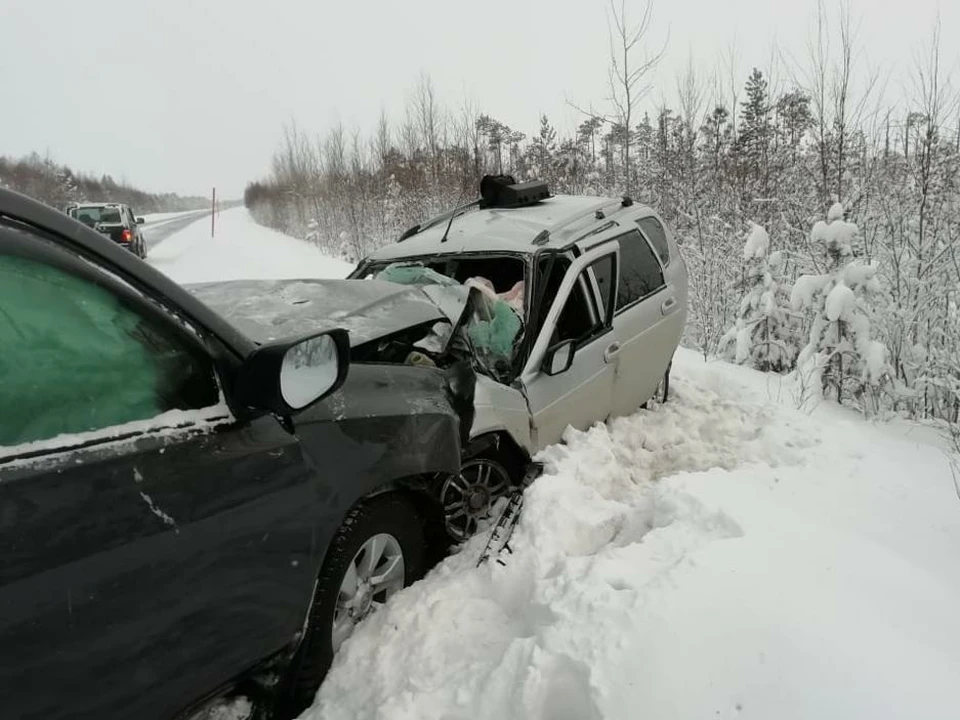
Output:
x=154 y=546
x=643 y=323
x=581 y=394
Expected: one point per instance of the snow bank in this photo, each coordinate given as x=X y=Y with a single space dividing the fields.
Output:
x=241 y=250
x=723 y=556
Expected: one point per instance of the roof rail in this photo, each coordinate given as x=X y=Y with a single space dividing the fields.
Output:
x=603 y=209
x=588 y=212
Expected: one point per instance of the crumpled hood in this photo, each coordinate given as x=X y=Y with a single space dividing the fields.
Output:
x=267 y=310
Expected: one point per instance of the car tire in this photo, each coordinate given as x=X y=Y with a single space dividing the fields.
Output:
x=397 y=525
x=468 y=498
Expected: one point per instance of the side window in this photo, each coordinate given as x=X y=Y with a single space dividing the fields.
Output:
x=603 y=271
x=657 y=236
x=640 y=273
x=577 y=320
x=580 y=318
x=76 y=358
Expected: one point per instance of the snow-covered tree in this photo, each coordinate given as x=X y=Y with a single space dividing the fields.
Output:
x=766 y=335
x=840 y=351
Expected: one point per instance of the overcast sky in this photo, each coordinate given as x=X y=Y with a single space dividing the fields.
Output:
x=180 y=95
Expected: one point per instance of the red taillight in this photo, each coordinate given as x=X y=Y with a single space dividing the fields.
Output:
x=126 y=236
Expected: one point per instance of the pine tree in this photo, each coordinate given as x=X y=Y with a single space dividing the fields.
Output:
x=840 y=350
x=767 y=333
x=542 y=150
x=755 y=133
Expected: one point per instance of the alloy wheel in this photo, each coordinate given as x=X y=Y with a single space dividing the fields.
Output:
x=374 y=574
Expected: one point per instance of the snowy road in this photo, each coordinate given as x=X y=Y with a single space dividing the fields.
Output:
x=157 y=230
x=724 y=556
x=240 y=250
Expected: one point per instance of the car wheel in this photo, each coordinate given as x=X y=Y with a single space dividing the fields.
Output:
x=378 y=551
x=143 y=249
x=468 y=498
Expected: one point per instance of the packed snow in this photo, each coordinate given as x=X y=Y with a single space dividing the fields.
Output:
x=240 y=250
x=723 y=555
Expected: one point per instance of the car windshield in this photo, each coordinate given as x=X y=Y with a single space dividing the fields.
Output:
x=93 y=214
x=494 y=322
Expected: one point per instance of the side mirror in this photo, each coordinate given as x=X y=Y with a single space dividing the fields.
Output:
x=288 y=376
x=558 y=359
x=139 y=221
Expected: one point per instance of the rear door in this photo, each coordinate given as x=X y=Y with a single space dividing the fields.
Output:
x=647 y=323
x=582 y=394
x=154 y=546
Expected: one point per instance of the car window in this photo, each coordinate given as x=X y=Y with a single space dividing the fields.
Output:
x=93 y=214
x=77 y=359
x=640 y=273
x=603 y=271
x=655 y=233
x=580 y=319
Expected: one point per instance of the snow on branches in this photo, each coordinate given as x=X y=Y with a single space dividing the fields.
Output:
x=766 y=335
x=840 y=350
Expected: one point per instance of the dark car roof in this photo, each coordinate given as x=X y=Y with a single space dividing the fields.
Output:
x=77 y=237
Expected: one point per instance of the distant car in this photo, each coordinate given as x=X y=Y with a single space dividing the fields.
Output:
x=599 y=293
x=190 y=504
x=114 y=220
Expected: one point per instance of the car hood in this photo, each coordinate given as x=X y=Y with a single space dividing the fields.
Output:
x=267 y=310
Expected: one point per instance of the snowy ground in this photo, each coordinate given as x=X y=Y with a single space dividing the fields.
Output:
x=241 y=250
x=724 y=556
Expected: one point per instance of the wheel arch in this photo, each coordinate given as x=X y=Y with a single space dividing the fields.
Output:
x=502 y=445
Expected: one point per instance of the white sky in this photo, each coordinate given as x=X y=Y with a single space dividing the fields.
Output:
x=180 y=95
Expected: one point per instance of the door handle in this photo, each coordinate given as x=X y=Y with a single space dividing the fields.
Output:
x=611 y=351
x=667 y=305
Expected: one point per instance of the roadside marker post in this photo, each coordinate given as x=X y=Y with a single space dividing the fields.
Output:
x=213 y=214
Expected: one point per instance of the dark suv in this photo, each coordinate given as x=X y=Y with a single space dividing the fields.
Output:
x=114 y=220
x=188 y=512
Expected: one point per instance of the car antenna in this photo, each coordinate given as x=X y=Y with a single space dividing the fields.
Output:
x=452 y=216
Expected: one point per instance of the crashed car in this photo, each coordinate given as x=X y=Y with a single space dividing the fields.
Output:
x=572 y=309
x=195 y=506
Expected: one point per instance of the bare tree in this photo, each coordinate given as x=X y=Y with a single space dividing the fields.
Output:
x=628 y=75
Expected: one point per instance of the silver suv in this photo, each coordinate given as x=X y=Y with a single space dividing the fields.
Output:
x=586 y=303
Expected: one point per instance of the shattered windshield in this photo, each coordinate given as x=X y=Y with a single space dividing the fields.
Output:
x=491 y=328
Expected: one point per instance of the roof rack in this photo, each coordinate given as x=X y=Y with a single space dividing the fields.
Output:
x=599 y=210
x=497 y=192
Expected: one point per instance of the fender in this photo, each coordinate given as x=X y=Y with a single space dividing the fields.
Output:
x=388 y=423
